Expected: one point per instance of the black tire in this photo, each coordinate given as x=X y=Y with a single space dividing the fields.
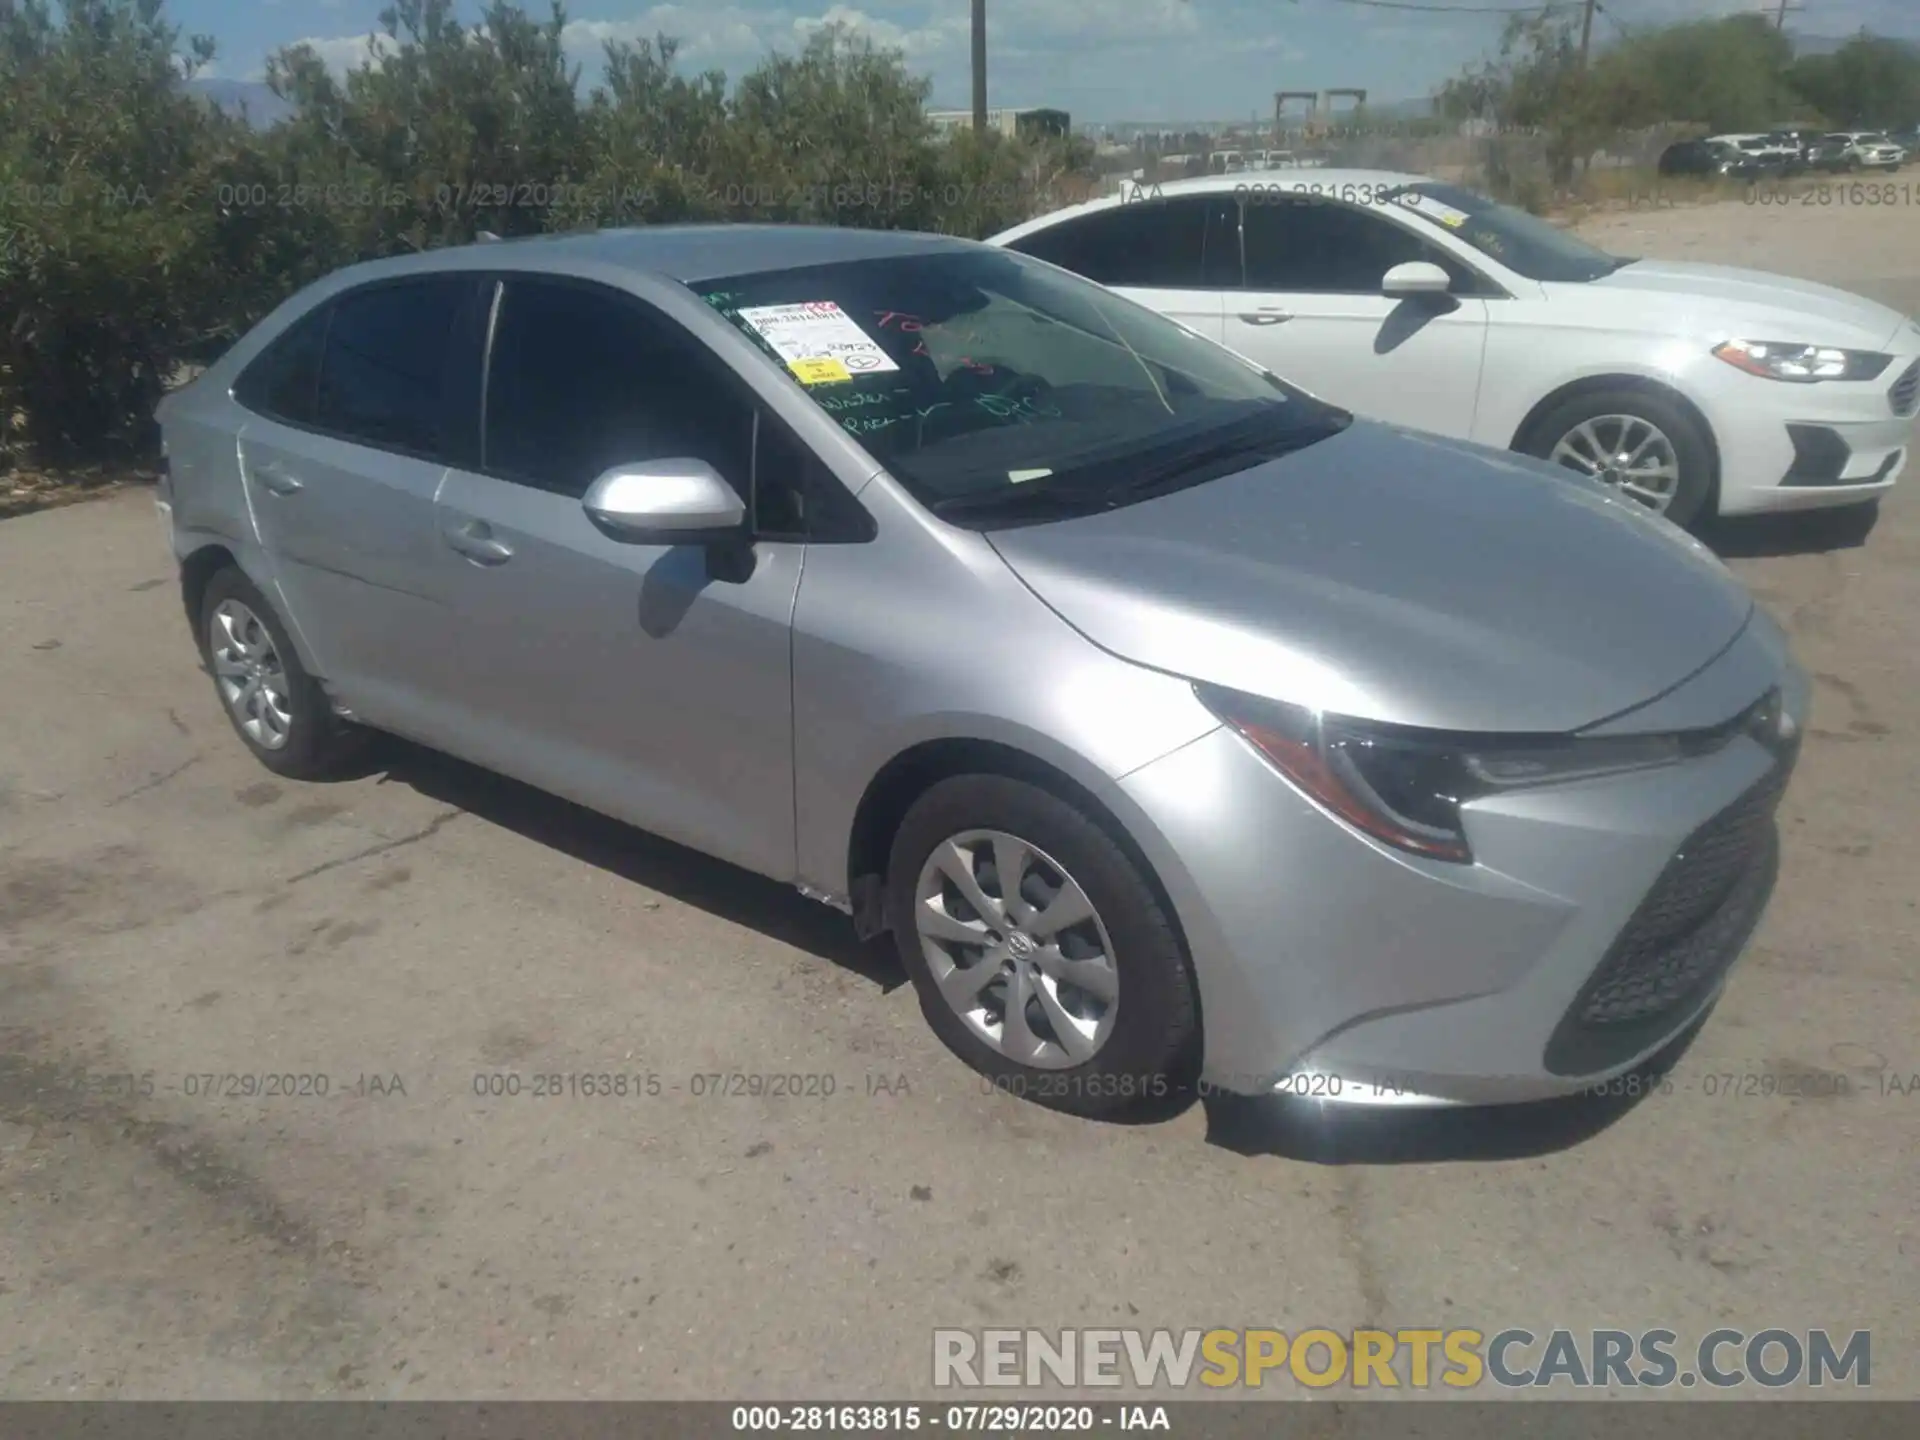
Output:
x=319 y=745
x=1694 y=493
x=1152 y=1051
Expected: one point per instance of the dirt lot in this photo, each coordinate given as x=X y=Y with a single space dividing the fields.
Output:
x=169 y=910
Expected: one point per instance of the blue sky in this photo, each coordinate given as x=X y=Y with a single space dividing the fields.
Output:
x=1101 y=59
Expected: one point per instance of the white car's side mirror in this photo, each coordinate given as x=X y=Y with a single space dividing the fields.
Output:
x=1416 y=277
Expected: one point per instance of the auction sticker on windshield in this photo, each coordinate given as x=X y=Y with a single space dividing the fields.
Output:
x=1435 y=210
x=819 y=342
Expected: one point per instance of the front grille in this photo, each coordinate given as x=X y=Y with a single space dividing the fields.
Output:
x=1687 y=931
x=1905 y=394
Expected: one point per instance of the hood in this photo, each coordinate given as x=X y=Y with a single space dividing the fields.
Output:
x=1694 y=297
x=1400 y=577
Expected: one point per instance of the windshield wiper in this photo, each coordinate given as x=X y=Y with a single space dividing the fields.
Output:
x=1035 y=499
x=1204 y=463
x=1078 y=491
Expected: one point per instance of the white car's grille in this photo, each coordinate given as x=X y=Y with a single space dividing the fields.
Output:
x=1905 y=394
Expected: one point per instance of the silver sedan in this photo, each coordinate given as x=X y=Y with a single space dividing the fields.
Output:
x=1181 y=728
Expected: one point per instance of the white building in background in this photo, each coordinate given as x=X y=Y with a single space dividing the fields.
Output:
x=1013 y=123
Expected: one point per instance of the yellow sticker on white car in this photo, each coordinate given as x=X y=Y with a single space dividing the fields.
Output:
x=1434 y=209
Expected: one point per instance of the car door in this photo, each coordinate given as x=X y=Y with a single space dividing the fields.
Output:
x=640 y=679
x=354 y=414
x=1311 y=310
x=1177 y=256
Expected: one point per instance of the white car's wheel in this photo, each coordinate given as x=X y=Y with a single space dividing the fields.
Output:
x=1638 y=441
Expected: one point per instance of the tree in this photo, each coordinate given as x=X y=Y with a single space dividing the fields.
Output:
x=1539 y=83
x=104 y=273
x=1729 y=74
x=1869 y=81
x=447 y=131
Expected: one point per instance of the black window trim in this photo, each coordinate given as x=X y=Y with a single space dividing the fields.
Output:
x=331 y=306
x=857 y=527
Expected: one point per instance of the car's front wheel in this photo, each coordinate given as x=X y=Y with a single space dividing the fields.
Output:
x=1042 y=955
x=1641 y=443
x=278 y=709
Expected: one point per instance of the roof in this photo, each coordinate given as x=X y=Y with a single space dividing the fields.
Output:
x=690 y=254
x=1358 y=184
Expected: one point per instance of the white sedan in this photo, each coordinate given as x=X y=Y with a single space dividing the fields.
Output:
x=1698 y=389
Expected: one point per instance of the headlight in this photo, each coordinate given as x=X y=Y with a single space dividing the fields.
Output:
x=1406 y=786
x=1802 y=364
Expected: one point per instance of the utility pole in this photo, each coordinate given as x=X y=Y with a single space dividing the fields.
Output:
x=979 y=67
x=1780 y=16
x=1586 y=32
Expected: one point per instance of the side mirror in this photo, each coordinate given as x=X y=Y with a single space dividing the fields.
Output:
x=664 y=502
x=1416 y=277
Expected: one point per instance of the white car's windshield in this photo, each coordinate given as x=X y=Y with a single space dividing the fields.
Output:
x=987 y=381
x=1525 y=245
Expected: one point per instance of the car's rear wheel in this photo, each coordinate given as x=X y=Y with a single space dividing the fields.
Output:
x=1042 y=955
x=1641 y=443
x=278 y=709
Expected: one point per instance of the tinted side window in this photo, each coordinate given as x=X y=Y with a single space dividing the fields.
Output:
x=1180 y=244
x=385 y=379
x=583 y=379
x=282 y=380
x=1322 y=248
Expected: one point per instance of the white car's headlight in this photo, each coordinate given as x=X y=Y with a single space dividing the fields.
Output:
x=1801 y=364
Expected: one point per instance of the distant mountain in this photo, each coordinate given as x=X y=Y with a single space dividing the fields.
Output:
x=250 y=98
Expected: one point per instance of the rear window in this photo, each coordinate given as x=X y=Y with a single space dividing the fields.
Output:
x=282 y=381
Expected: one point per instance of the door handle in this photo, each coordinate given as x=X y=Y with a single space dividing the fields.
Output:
x=275 y=476
x=1265 y=317
x=474 y=539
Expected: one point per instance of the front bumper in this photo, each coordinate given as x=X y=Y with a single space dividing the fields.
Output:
x=1334 y=968
x=1799 y=447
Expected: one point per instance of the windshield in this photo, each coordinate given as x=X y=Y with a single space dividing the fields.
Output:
x=1524 y=244
x=985 y=377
